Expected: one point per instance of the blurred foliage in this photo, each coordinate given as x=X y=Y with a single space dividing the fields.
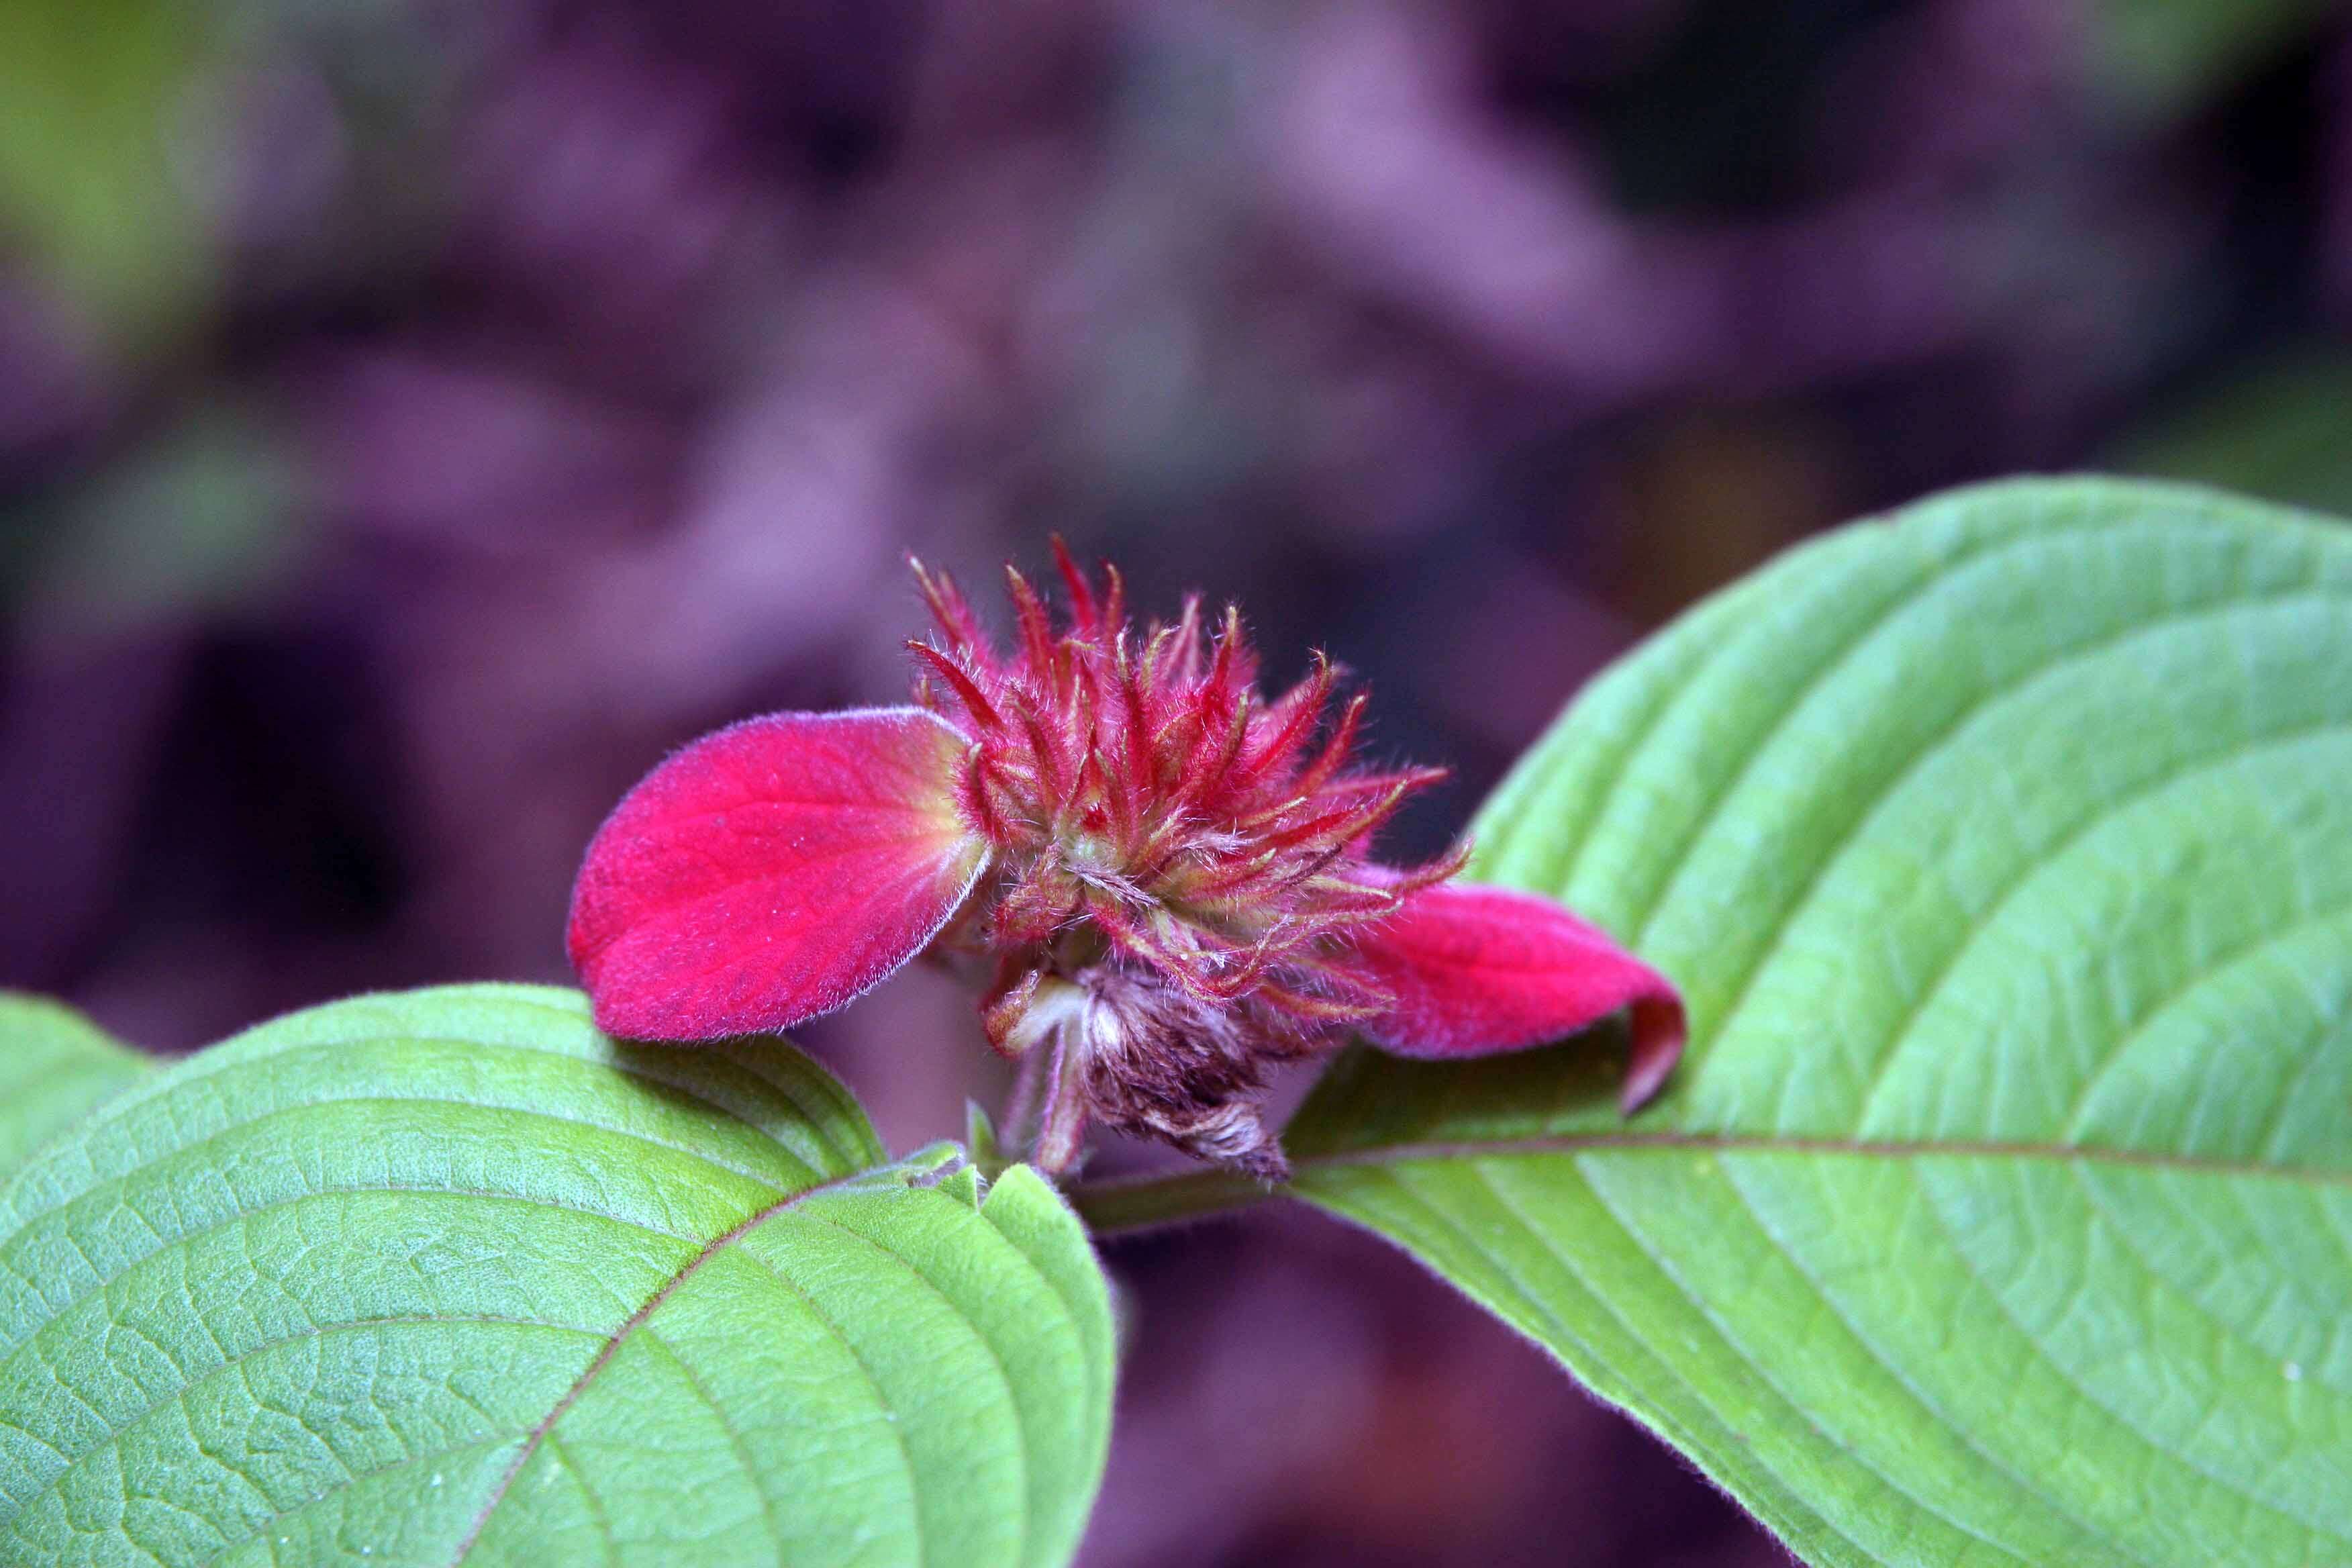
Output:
x=204 y=518
x=100 y=165
x=2161 y=58
x=2276 y=431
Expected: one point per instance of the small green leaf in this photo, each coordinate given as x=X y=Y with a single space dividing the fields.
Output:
x=55 y=1065
x=2001 y=1212
x=449 y=1277
x=979 y=1139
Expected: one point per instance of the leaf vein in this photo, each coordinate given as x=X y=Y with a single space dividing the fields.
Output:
x=620 y=1336
x=1780 y=1143
x=2025 y=1484
x=735 y=1441
x=2000 y=1305
x=1652 y=1413
x=115 y=1430
x=1898 y=1036
x=881 y=1400
x=106 y=1282
x=995 y=1359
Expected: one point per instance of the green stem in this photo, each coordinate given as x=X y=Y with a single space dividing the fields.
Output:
x=1124 y=1207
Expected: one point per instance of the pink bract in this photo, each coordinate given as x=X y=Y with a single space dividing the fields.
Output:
x=1168 y=873
x=769 y=872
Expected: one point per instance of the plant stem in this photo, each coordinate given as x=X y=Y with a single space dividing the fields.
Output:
x=1124 y=1207
x=1016 y=1126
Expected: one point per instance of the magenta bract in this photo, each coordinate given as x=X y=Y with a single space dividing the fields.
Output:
x=1472 y=970
x=1170 y=872
x=771 y=872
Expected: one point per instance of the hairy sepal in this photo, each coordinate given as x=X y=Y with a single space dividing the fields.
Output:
x=773 y=871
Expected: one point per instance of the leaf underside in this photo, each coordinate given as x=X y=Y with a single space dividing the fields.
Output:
x=55 y=1067
x=449 y=1277
x=2001 y=1211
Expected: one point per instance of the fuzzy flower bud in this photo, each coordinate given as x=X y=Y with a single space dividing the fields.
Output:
x=1170 y=873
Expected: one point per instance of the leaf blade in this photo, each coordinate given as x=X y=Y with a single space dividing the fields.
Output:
x=1996 y=852
x=437 y=1274
x=56 y=1067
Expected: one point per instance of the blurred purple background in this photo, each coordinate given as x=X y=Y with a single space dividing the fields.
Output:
x=417 y=418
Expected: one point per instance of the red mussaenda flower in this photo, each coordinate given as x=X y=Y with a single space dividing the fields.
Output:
x=1171 y=873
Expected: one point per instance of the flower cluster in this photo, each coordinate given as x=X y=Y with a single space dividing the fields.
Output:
x=1171 y=873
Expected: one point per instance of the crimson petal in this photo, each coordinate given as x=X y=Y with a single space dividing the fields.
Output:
x=771 y=872
x=1477 y=970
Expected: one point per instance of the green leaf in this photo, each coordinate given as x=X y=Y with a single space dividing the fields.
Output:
x=55 y=1065
x=450 y=1278
x=2001 y=1212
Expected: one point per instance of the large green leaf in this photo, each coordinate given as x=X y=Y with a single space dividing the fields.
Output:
x=2001 y=1212
x=55 y=1065
x=450 y=1278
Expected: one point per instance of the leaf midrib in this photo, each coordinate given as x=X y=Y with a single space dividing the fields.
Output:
x=112 y=1441
x=1127 y=1206
x=1799 y=1144
x=538 y=1436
